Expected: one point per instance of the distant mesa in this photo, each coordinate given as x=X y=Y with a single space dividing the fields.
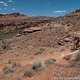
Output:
x=12 y=14
x=17 y=14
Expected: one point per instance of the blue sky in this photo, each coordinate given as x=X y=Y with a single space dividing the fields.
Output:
x=39 y=7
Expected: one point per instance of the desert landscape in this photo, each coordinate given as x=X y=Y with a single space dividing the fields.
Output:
x=40 y=47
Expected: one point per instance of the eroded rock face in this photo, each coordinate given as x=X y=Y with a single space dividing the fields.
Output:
x=31 y=30
x=17 y=21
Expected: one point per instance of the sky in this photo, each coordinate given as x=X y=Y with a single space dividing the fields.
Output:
x=39 y=7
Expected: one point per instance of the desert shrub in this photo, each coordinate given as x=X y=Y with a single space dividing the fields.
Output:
x=15 y=64
x=71 y=64
x=77 y=57
x=7 y=70
x=4 y=45
x=40 y=51
x=28 y=72
x=50 y=61
x=17 y=78
x=38 y=66
x=68 y=57
x=74 y=61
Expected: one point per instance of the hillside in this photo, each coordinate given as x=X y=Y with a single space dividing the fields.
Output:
x=17 y=21
x=44 y=48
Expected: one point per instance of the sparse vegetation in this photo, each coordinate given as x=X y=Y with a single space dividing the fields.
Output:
x=77 y=57
x=28 y=72
x=47 y=47
x=15 y=65
x=17 y=78
x=68 y=57
x=7 y=70
x=4 y=45
x=38 y=66
x=40 y=51
x=50 y=61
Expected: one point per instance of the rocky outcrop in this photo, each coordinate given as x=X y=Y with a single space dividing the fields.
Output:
x=17 y=21
x=31 y=30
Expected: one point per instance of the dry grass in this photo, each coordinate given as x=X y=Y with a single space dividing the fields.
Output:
x=28 y=72
x=77 y=57
x=38 y=66
x=68 y=57
x=7 y=70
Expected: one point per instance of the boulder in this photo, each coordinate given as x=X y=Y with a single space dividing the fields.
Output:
x=31 y=30
x=18 y=35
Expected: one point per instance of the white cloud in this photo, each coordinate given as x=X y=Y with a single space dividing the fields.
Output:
x=13 y=9
x=7 y=5
x=4 y=3
x=10 y=1
x=59 y=11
